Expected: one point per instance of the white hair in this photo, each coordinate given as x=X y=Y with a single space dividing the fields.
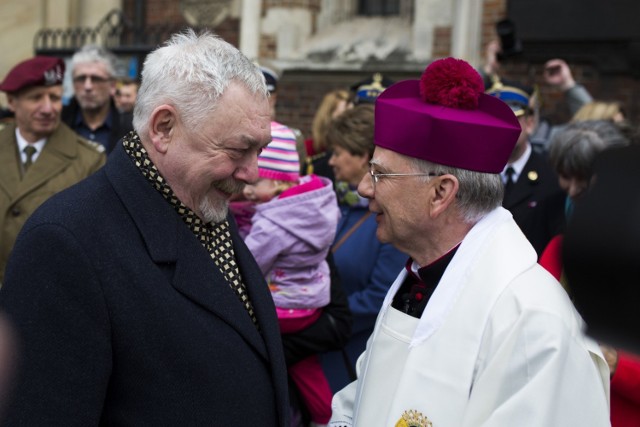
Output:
x=478 y=193
x=94 y=53
x=190 y=72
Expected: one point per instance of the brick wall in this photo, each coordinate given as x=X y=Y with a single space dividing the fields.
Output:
x=603 y=87
x=268 y=46
x=166 y=13
x=442 y=42
x=492 y=11
x=163 y=12
x=301 y=91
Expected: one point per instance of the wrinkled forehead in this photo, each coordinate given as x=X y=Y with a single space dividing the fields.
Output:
x=244 y=113
x=91 y=68
x=388 y=159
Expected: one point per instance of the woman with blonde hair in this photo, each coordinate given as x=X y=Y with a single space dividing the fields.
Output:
x=332 y=105
x=599 y=110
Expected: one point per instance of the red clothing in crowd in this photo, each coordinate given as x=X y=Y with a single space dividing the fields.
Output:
x=625 y=383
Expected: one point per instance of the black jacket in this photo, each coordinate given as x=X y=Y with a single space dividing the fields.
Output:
x=120 y=126
x=536 y=201
x=130 y=320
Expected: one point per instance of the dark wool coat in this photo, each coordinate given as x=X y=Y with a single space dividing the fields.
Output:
x=124 y=319
x=536 y=202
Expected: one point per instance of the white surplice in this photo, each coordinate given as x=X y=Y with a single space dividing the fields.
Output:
x=499 y=344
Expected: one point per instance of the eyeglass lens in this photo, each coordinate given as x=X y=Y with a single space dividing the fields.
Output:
x=94 y=79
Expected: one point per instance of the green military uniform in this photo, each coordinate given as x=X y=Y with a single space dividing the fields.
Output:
x=65 y=160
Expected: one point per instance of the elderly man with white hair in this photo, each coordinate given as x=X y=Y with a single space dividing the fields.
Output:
x=473 y=332
x=134 y=298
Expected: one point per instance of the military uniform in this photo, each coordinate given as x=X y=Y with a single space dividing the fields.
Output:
x=536 y=201
x=65 y=160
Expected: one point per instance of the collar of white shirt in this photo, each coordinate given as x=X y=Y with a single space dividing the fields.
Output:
x=22 y=143
x=518 y=165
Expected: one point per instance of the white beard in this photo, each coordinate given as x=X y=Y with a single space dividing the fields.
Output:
x=214 y=211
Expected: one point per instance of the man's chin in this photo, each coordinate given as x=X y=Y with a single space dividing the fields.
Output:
x=214 y=212
x=90 y=107
x=381 y=234
x=381 y=237
x=46 y=131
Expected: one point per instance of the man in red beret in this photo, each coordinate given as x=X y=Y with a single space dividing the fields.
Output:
x=473 y=332
x=39 y=156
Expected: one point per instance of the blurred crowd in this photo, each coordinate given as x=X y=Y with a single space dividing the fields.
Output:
x=303 y=217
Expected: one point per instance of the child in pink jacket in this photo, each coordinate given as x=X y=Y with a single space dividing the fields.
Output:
x=292 y=229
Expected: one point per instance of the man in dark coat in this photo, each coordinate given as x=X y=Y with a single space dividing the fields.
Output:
x=92 y=112
x=133 y=296
x=532 y=193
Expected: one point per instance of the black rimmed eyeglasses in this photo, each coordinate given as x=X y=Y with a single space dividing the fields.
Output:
x=93 y=78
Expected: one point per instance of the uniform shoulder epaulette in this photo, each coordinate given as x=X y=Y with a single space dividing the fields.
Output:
x=93 y=145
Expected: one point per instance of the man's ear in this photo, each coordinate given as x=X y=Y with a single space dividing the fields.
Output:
x=112 y=88
x=11 y=99
x=445 y=188
x=162 y=127
x=530 y=124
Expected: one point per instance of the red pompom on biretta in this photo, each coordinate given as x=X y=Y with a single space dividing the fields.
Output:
x=452 y=83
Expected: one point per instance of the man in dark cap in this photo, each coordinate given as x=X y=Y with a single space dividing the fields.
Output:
x=39 y=156
x=271 y=78
x=532 y=193
x=473 y=331
x=367 y=90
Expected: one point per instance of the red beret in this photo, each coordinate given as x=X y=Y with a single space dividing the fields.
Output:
x=38 y=71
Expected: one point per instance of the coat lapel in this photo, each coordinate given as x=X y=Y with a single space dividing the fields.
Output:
x=198 y=278
x=56 y=155
x=521 y=191
x=524 y=187
x=169 y=241
x=9 y=172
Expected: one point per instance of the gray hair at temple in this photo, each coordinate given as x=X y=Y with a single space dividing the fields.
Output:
x=574 y=149
x=190 y=72
x=94 y=53
x=478 y=193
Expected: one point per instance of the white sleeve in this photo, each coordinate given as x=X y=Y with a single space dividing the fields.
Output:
x=342 y=406
x=539 y=373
